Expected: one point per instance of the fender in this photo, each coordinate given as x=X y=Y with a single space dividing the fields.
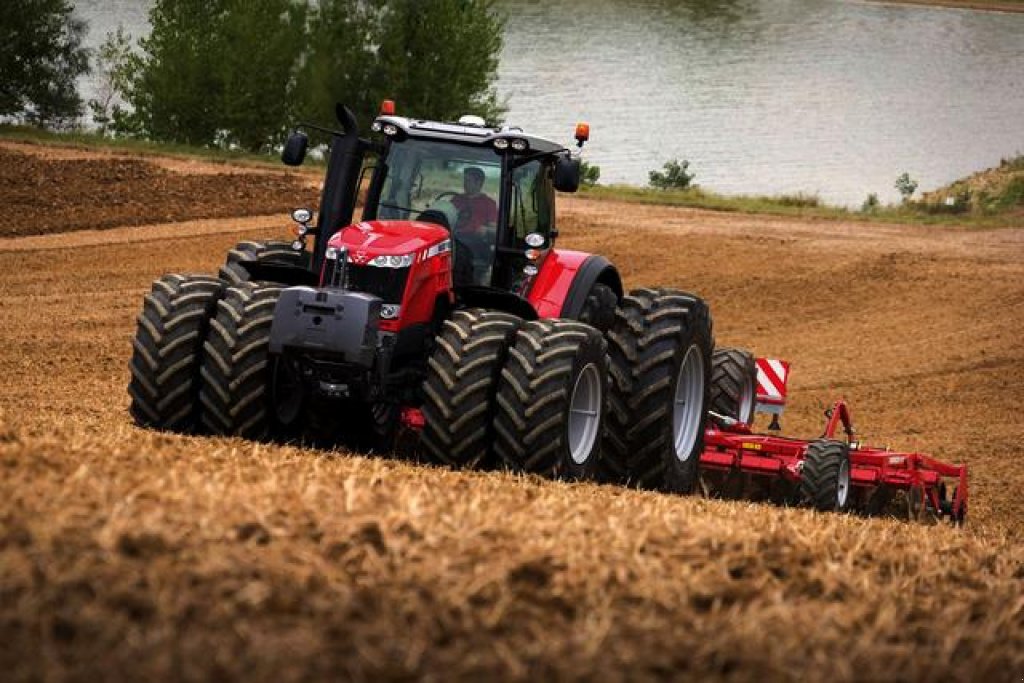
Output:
x=490 y=297
x=565 y=280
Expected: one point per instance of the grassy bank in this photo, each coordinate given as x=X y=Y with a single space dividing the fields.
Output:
x=86 y=140
x=986 y=5
x=990 y=199
x=1002 y=213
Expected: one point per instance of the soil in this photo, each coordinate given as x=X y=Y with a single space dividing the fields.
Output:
x=127 y=554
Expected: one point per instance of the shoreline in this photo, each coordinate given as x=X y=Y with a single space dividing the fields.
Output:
x=979 y=5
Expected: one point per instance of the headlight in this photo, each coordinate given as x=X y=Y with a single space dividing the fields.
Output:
x=393 y=261
x=390 y=129
x=390 y=311
x=519 y=145
x=501 y=143
x=302 y=215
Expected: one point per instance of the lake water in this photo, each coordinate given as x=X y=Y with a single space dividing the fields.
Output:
x=827 y=97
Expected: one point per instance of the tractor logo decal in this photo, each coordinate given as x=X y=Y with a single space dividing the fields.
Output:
x=359 y=257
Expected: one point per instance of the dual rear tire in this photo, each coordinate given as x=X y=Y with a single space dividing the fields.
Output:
x=660 y=355
x=529 y=396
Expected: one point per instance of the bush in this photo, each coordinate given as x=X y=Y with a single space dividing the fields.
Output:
x=589 y=173
x=906 y=186
x=673 y=176
x=41 y=55
x=871 y=204
x=799 y=200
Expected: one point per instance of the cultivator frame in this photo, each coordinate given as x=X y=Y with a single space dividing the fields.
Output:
x=875 y=473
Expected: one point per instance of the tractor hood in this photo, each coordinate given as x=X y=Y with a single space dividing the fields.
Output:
x=369 y=239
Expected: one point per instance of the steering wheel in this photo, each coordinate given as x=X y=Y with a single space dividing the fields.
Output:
x=443 y=195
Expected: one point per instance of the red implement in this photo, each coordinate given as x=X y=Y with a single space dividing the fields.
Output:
x=867 y=481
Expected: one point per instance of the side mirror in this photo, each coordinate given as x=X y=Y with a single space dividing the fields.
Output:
x=294 y=152
x=567 y=173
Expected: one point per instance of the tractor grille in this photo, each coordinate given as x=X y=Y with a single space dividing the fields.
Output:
x=387 y=283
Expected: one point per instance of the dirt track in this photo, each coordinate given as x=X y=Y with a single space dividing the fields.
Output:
x=132 y=555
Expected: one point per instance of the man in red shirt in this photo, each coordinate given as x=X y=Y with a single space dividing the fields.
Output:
x=476 y=209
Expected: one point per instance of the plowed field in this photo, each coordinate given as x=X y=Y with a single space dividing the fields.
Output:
x=133 y=555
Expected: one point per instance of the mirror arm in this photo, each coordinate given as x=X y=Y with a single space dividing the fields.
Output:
x=522 y=161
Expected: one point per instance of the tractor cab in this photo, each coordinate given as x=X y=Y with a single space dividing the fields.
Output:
x=492 y=189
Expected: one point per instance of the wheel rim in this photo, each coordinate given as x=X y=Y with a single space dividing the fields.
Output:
x=843 y=486
x=746 y=403
x=584 y=414
x=687 y=404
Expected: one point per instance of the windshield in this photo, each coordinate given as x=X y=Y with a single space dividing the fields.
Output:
x=458 y=182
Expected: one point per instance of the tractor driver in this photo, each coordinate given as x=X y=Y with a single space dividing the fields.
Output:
x=476 y=209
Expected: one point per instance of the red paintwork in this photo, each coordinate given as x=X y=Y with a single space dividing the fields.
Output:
x=428 y=277
x=736 y=448
x=551 y=286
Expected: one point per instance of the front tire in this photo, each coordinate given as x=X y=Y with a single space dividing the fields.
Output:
x=269 y=253
x=459 y=391
x=236 y=369
x=551 y=403
x=167 y=352
x=660 y=353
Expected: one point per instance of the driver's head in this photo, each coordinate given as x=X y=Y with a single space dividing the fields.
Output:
x=473 y=180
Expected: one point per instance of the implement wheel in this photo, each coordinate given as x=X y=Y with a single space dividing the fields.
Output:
x=733 y=384
x=552 y=399
x=237 y=366
x=269 y=253
x=167 y=351
x=462 y=380
x=825 y=476
x=660 y=355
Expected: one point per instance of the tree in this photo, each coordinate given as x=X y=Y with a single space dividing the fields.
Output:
x=906 y=186
x=344 y=74
x=217 y=72
x=237 y=73
x=41 y=55
x=673 y=176
x=439 y=58
x=114 y=64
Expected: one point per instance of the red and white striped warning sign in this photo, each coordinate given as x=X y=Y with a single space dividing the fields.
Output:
x=772 y=375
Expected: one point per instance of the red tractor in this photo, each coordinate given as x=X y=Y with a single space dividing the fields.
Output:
x=446 y=310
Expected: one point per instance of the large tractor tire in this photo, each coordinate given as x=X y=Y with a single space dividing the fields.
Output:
x=271 y=252
x=237 y=366
x=733 y=384
x=462 y=380
x=552 y=398
x=825 y=476
x=599 y=308
x=167 y=349
x=660 y=355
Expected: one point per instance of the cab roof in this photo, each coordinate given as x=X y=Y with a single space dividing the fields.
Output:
x=471 y=134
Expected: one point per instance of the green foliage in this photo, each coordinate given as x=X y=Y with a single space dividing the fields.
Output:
x=673 y=176
x=236 y=73
x=589 y=173
x=215 y=72
x=906 y=186
x=799 y=200
x=41 y=55
x=113 y=65
x=871 y=204
x=439 y=58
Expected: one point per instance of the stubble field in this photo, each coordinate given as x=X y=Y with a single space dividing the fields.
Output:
x=134 y=555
